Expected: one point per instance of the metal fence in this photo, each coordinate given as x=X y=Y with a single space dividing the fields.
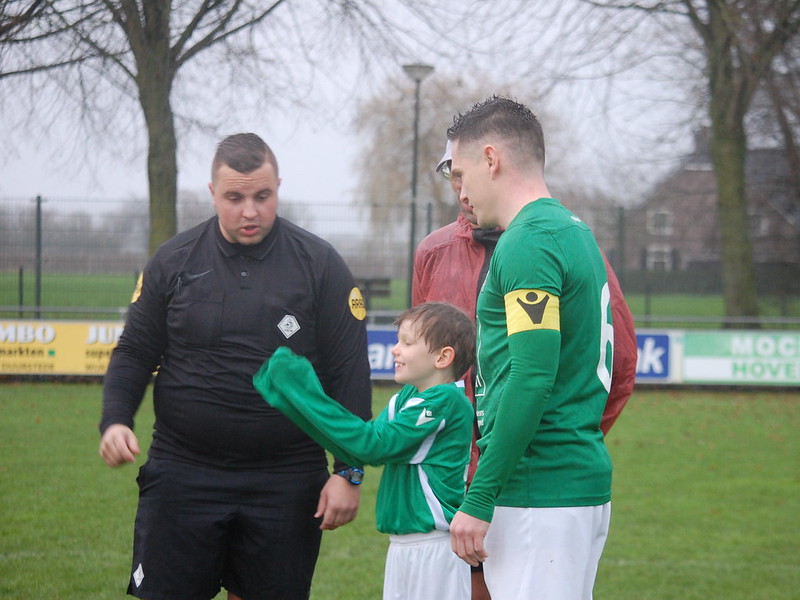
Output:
x=48 y=247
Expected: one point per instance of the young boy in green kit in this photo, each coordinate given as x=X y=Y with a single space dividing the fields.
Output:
x=422 y=437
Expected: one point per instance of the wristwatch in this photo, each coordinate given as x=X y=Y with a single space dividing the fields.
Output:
x=353 y=474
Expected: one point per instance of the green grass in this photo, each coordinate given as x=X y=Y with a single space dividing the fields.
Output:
x=70 y=290
x=112 y=292
x=706 y=498
x=705 y=504
x=702 y=307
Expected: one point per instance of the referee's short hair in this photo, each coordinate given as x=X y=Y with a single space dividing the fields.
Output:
x=244 y=153
x=442 y=324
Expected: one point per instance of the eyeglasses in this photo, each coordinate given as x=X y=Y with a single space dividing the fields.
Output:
x=447 y=173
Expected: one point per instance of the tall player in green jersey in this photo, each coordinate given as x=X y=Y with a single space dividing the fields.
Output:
x=538 y=508
x=422 y=437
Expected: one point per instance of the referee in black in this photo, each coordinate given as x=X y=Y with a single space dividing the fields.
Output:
x=232 y=494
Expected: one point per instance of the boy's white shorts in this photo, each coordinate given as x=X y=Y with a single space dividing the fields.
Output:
x=423 y=565
x=545 y=553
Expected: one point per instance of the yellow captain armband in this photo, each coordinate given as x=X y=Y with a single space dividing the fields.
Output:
x=531 y=309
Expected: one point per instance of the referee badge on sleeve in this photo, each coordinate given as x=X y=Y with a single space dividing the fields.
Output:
x=138 y=289
x=356 y=303
x=531 y=309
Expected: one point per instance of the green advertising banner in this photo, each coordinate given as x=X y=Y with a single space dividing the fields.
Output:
x=741 y=357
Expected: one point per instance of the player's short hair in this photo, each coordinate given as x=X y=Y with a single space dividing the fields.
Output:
x=441 y=324
x=244 y=153
x=504 y=117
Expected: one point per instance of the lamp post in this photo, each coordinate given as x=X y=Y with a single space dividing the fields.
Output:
x=417 y=72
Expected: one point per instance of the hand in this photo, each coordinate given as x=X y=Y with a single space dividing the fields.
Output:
x=466 y=538
x=338 y=502
x=119 y=445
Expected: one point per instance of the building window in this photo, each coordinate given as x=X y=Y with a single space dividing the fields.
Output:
x=759 y=225
x=659 y=222
x=659 y=258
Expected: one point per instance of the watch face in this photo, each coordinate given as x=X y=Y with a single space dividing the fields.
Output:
x=354 y=475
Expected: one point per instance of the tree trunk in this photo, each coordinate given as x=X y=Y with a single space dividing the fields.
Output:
x=729 y=93
x=728 y=149
x=162 y=170
x=148 y=34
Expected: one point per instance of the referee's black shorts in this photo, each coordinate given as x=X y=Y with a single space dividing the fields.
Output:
x=199 y=528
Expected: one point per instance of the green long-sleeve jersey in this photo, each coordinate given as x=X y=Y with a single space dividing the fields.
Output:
x=545 y=340
x=421 y=438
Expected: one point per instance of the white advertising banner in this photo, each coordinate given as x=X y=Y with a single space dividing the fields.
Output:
x=742 y=357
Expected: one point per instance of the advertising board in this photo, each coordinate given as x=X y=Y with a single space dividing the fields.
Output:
x=742 y=357
x=33 y=347
x=659 y=356
x=37 y=347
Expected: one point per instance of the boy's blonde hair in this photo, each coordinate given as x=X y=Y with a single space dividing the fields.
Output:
x=441 y=324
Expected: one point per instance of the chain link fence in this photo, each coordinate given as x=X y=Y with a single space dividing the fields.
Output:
x=72 y=258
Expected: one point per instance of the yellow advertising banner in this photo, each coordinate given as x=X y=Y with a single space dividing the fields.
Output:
x=57 y=347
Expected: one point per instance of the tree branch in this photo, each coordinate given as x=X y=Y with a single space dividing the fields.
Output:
x=218 y=33
x=11 y=25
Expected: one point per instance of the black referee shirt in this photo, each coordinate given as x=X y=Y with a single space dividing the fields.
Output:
x=209 y=313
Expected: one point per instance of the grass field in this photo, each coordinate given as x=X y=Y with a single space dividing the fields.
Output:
x=706 y=501
x=113 y=292
x=108 y=292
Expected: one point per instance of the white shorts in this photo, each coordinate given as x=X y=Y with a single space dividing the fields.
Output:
x=423 y=565
x=545 y=553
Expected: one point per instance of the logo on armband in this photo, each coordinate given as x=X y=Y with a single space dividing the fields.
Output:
x=527 y=310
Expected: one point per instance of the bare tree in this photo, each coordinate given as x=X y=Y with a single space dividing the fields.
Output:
x=102 y=54
x=782 y=92
x=139 y=47
x=740 y=41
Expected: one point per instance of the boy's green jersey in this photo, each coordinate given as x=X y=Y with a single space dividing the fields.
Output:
x=422 y=438
x=544 y=367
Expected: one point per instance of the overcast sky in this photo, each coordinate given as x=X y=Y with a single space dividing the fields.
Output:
x=317 y=158
x=316 y=162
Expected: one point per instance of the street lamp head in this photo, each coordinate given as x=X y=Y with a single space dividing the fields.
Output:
x=418 y=71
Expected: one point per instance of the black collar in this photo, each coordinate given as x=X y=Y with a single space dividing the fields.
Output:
x=257 y=251
x=487 y=237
